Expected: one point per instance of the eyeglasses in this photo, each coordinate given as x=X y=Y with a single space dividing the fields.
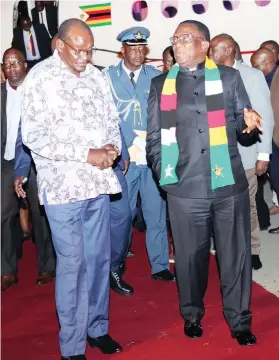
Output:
x=14 y=65
x=184 y=38
x=79 y=52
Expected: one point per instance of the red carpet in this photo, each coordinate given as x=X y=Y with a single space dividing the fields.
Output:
x=148 y=324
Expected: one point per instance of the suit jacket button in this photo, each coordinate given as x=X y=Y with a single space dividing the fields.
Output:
x=200 y=131
x=203 y=150
x=196 y=93
x=198 y=112
x=194 y=76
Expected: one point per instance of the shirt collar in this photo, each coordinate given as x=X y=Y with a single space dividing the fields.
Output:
x=9 y=88
x=136 y=72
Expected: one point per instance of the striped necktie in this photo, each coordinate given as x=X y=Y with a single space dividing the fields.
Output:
x=32 y=44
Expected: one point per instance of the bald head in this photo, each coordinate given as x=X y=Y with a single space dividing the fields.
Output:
x=264 y=60
x=75 y=45
x=14 y=53
x=14 y=66
x=222 y=49
x=73 y=26
x=273 y=46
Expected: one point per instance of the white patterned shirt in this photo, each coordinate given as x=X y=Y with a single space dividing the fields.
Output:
x=63 y=116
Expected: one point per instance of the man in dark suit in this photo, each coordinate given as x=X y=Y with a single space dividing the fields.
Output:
x=32 y=40
x=46 y=14
x=14 y=65
x=194 y=114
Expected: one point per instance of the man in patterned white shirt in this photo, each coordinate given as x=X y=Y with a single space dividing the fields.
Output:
x=70 y=124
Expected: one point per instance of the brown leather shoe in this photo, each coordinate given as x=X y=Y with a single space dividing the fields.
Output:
x=8 y=281
x=45 y=278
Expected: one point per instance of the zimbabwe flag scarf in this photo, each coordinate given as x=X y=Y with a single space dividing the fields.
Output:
x=220 y=163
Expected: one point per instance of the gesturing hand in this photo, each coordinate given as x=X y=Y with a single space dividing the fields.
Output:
x=252 y=120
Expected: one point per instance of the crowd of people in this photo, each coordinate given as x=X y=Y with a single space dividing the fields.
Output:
x=81 y=146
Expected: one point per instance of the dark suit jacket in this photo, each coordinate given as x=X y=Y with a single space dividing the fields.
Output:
x=3 y=120
x=43 y=40
x=193 y=168
x=52 y=18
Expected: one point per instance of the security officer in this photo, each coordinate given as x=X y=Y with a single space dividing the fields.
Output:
x=130 y=84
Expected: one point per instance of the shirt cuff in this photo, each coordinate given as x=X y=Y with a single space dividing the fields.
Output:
x=263 y=156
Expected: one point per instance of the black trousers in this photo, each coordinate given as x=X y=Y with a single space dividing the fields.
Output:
x=10 y=223
x=262 y=207
x=192 y=221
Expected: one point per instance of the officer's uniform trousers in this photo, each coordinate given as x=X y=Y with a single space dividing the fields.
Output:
x=121 y=222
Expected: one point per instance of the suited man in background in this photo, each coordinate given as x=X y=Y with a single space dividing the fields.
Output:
x=46 y=14
x=194 y=114
x=32 y=40
x=255 y=157
x=264 y=60
x=14 y=65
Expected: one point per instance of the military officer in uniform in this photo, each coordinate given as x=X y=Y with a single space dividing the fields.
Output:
x=130 y=84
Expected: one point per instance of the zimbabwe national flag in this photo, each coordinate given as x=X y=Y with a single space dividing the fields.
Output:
x=98 y=14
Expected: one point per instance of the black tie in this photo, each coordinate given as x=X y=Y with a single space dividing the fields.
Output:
x=132 y=75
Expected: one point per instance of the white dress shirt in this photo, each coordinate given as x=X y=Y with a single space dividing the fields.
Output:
x=63 y=116
x=261 y=156
x=128 y=72
x=27 y=43
x=43 y=19
x=13 y=110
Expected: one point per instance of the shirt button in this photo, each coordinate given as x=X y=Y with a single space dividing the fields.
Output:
x=194 y=76
x=203 y=150
x=196 y=93
x=200 y=131
x=138 y=124
x=198 y=112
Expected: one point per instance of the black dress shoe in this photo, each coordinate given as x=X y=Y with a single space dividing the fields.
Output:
x=274 y=231
x=256 y=262
x=74 y=357
x=244 y=338
x=118 y=285
x=122 y=268
x=130 y=254
x=105 y=343
x=193 y=329
x=164 y=275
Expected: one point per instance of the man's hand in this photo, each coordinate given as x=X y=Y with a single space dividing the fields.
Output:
x=252 y=120
x=261 y=167
x=112 y=151
x=18 y=187
x=100 y=158
x=126 y=166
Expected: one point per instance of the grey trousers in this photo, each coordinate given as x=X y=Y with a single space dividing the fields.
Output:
x=192 y=221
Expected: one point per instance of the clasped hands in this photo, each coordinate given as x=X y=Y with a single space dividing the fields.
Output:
x=103 y=158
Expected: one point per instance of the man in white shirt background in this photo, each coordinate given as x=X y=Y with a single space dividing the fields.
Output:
x=14 y=66
x=32 y=40
x=254 y=156
x=45 y=13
